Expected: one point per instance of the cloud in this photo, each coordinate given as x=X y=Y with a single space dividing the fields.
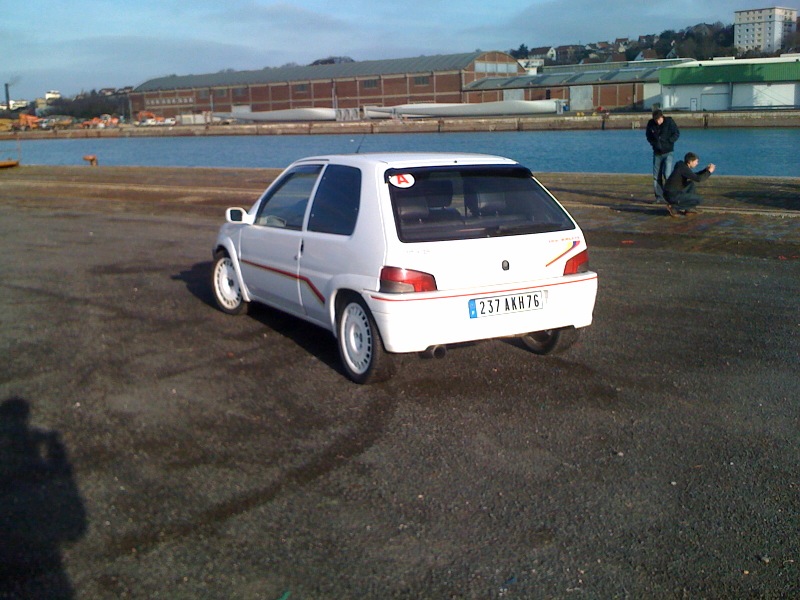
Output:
x=83 y=64
x=580 y=21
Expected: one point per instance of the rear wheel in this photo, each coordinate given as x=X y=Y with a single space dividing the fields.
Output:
x=359 y=341
x=225 y=284
x=550 y=341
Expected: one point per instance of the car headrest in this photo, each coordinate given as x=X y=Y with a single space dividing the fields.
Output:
x=481 y=202
x=411 y=207
x=438 y=192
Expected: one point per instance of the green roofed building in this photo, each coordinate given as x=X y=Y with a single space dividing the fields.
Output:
x=676 y=84
x=729 y=84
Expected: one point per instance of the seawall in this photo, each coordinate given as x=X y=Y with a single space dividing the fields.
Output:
x=571 y=121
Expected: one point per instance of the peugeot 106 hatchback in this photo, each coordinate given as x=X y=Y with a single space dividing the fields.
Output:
x=409 y=253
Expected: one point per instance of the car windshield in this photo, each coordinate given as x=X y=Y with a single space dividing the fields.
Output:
x=435 y=204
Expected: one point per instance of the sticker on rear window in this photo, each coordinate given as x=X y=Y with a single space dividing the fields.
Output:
x=402 y=180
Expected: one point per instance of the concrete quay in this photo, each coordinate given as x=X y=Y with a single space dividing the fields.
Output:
x=568 y=121
x=757 y=216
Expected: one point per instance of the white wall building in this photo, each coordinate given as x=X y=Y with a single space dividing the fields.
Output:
x=15 y=104
x=764 y=29
x=531 y=65
x=729 y=84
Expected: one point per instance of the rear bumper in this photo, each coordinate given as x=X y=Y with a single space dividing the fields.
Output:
x=413 y=322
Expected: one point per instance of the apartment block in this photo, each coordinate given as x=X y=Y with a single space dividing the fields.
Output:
x=764 y=29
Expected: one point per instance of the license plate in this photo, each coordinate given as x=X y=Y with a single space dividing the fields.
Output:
x=503 y=305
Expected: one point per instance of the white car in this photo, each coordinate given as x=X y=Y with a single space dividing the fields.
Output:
x=398 y=253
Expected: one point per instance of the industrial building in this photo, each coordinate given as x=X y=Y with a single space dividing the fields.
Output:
x=345 y=86
x=732 y=84
x=679 y=84
x=479 y=77
x=628 y=86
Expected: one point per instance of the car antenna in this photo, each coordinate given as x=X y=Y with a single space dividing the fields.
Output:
x=363 y=136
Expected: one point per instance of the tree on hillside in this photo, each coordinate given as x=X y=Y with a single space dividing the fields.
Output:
x=793 y=43
x=633 y=51
x=521 y=52
x=332 y=60
x=724 y=35
x=88 y=106
x=664 y=43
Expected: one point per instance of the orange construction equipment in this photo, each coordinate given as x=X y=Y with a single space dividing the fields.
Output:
x=101 y=122
x=28 y=122
x=145 y=117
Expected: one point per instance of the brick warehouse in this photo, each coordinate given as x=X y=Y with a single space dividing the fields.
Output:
x=442 y=78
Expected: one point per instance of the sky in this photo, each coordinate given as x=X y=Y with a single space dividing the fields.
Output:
x=78 y=46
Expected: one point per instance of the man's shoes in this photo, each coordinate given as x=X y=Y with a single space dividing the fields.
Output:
x=690 y=211
x=673 y=212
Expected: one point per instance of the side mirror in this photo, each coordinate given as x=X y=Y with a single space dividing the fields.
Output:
x=238 y=215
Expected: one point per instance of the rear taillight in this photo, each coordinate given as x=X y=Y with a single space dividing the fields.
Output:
x=395 y=280
x=577 y=264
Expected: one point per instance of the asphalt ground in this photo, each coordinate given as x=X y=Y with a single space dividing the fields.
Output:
x=153 y=447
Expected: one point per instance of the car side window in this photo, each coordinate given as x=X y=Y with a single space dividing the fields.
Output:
x=285 y=206
x=336 y=203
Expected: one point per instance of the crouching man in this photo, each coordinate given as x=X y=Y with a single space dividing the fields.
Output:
x=679 y=188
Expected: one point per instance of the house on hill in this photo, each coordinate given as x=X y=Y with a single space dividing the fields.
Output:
x=544 y=52
x=647 y=54
x=567 y=54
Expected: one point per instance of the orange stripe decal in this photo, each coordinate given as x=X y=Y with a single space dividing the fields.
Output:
x=571 y=246
x=305 y=280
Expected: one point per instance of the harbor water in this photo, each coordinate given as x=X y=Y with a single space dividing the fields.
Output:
x=773 y=152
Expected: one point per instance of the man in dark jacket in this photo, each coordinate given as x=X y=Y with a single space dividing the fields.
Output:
x=679 y=189
x=662 y=133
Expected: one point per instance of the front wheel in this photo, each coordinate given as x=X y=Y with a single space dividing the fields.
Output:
x=225 y=284
x=550 y=341
x=359 y=342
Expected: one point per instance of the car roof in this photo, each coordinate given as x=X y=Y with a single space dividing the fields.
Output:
x=410 y=159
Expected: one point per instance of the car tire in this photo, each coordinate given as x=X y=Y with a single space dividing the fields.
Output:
x=550 y=341
x=359 y=342
x=225 y=286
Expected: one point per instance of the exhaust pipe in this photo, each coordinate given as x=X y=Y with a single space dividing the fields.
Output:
x=436 y=351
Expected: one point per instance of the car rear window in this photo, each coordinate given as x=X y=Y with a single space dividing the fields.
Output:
x=448 y=203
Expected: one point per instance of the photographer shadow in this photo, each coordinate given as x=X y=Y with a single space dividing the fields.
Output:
x=40 y=507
